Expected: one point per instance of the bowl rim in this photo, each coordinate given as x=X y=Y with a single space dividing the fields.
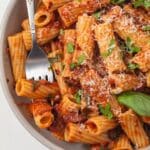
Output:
x=6 y=14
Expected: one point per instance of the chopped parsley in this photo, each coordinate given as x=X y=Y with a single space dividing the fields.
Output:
x=61 y=32
x=132 y=66
x=131 y=47
x=111 y=47
x=117 y=1
x=106 y=111
x=146 y=28
x=144 y=3
x=73 y=65
x=55 y=59
x=81 y=59
x=97 y=15
x=78 y=96
x=70 y=47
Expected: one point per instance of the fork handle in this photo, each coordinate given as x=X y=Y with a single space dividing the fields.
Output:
x=30 y=9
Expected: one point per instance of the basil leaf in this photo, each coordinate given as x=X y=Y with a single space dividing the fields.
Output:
x=131 y=47
x=144 y=3
x=117 y=1
x=137 y=101
x=78 y=96
x=81 y=59
x=146 y=28
x=132 y=66
x=106 y=111
x=70 y=48
x=97 y=15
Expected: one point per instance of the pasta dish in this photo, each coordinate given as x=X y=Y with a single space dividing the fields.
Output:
x=99 y=52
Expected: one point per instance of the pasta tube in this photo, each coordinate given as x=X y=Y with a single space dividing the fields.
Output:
x=112 y=14
x=42 y=18
x=36 y=89
x=126 y=28
x=109 y=49
x=139 y=14
x=18 y=55
x=142 y=59
x=100 y=124
x=42 y=114
x=69 y=12
x=68 y=105
x=132 y=126
x=54 y=4
x=123 y=82
x=25 y=24
x=44 y=35
x=85 y=41
x=58 y=68
x=78 y=133
x=122 y=143
x=69 y=44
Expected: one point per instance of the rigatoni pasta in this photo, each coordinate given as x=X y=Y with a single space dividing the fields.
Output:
x=133 y=128
x=18 y=55
x=77 y=133
x=44 y=35
x=54 y=4
x=42 y=114
x=36 y=89
x=85 y=42
x=100 y=124
x=109 y=49
x=122 y=143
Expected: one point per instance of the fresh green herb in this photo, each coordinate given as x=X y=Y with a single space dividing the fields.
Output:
x=61 y=32
x=105 y=54
x=106 y=111
x=78 y=96
x=55 y=59
x=81 y=59
x=117 y=1
x=146 y=28
x=97 y=15
x=144 y=3
x=73 y=65
x=131 y=47
x=132 y=66
x=137 y=101
x=111 y=46
x=70 y=48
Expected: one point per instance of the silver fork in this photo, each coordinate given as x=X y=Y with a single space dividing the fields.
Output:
x=37 y=63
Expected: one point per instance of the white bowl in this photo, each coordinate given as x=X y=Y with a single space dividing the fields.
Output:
x=10 y=24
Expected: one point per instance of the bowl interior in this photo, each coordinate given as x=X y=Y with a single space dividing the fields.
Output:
x=11 y=24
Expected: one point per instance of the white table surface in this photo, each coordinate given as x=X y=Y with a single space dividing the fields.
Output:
x=13 y=136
